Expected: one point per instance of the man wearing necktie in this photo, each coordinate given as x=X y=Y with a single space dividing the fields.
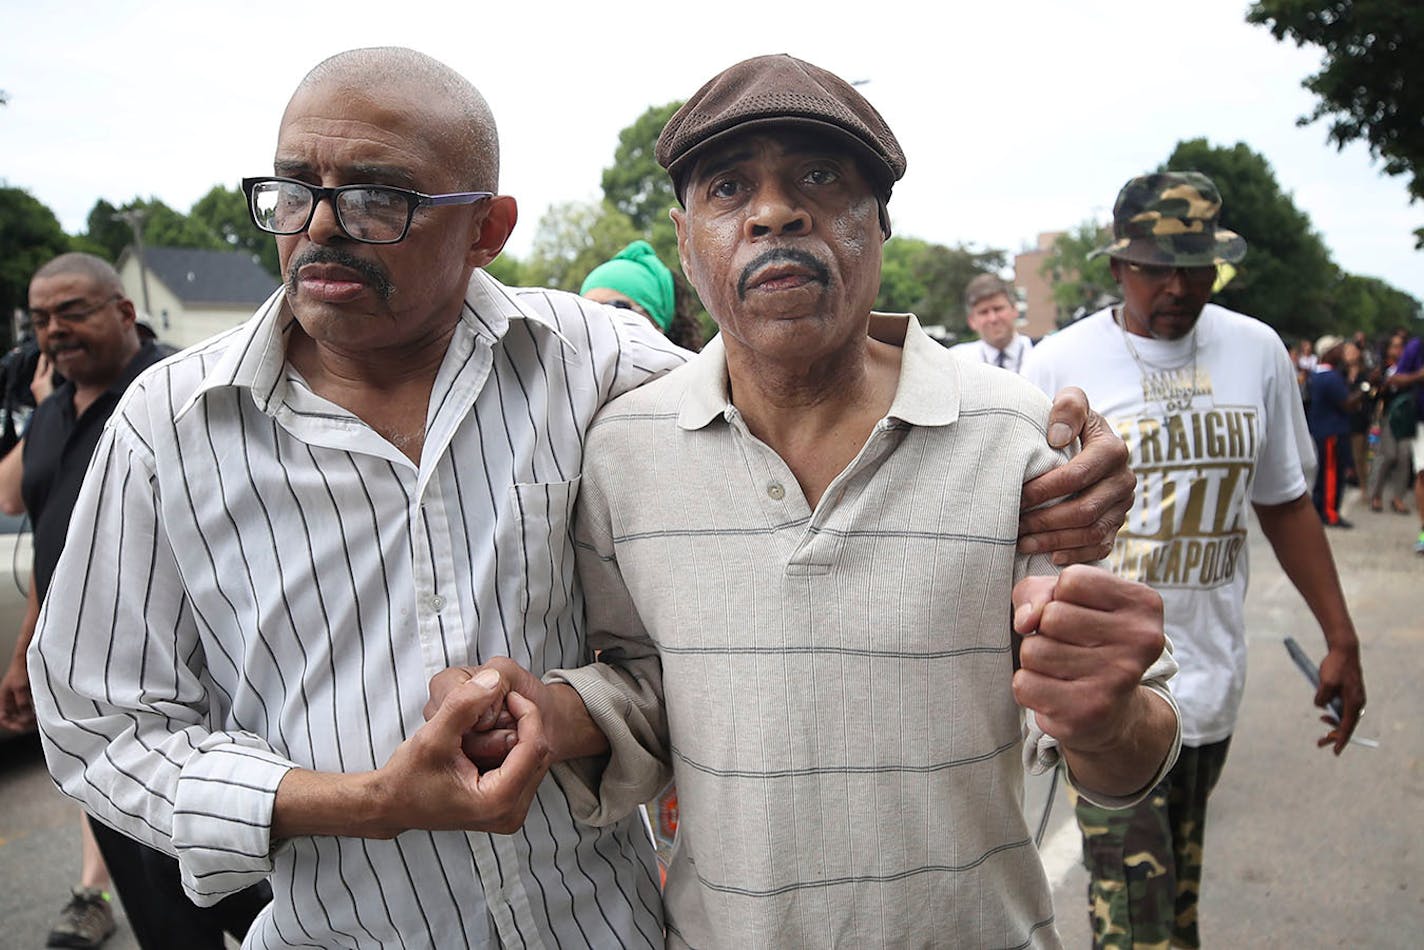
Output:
x=992 y=313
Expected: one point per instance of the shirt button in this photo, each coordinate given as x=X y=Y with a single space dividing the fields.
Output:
x=436 y=603
x=776 y=491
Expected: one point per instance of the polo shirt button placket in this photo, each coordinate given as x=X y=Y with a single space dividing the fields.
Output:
x=775 y=491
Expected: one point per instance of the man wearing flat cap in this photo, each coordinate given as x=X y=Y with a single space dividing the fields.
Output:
x=1206 y=400
x=806 y=596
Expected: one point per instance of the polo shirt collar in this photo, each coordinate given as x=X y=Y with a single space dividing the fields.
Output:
x=708 y=394
x=927 y=393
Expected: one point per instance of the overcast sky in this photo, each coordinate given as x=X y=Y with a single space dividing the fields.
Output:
x=1017 y=117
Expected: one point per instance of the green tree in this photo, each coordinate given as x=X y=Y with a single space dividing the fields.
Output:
x=1371 y=81
x=104 y=230
x=223 y=211
x=165 y=227
x=508 y=270
x=636 y=184
x=901 y=291
x=1372 y=305
x=1287 y=276
x=572 y=239
x=928 y=279
x=1079 y=284
x=162 y=227
x=30 y=235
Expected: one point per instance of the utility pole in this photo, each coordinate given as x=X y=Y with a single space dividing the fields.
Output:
x=134 y=218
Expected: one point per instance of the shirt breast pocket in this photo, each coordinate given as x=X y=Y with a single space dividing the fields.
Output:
x=544 y=514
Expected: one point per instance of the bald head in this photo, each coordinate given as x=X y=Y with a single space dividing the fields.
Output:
x=95 y=270
x=473 y=138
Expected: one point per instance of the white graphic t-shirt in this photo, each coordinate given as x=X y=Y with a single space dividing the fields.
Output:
x=1212 y=426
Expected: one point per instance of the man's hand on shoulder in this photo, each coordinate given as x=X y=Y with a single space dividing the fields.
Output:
x=1097 y=486
x=1088 y=639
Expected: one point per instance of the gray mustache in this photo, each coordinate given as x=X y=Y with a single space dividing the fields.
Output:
x=782 y=255
x=372 y=274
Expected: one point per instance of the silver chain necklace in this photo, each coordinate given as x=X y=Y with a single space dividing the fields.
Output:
x=1170 y=400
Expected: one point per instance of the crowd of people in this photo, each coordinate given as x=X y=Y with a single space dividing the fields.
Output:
x=404 y=596
x=1363 y=403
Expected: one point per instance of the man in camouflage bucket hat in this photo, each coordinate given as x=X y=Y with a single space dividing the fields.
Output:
x=1207 y=401
x=1170 y=218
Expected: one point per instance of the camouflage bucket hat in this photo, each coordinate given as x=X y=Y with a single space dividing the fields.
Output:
x=1171 y=218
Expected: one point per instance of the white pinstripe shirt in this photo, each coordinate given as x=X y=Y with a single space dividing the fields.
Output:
x=831 y=686
x=254 y=579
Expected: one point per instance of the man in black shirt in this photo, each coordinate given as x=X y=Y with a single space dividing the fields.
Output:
x=88 y=328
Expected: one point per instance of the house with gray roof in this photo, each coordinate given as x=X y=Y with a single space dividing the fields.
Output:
x=194 y=294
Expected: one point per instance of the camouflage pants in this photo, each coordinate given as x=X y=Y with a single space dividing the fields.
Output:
x=1145 y=861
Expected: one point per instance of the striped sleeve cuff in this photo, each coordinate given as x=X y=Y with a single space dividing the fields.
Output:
x=222 y=815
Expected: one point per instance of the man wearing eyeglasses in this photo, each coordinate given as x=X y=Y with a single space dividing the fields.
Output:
x=1206 y=400
x=290 y=528
x=305 y=519
x=85 y=326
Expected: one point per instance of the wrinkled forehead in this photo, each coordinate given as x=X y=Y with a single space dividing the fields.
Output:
x=392 y=117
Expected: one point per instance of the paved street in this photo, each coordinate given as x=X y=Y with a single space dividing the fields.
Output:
x=39 y=850
x=1303 y=850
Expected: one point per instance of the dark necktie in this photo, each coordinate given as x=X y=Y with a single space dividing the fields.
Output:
x=1003 y=360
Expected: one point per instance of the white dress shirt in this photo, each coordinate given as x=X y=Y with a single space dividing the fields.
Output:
x=1011 y=357
x=256 y=580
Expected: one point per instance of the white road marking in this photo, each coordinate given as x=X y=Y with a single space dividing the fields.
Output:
x=1062 y=851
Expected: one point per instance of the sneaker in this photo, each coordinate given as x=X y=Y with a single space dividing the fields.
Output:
x=86 y=921
x=1419 y=545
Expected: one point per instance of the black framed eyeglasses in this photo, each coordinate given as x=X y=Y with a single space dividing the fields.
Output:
x=40 y=319
x=371 y=214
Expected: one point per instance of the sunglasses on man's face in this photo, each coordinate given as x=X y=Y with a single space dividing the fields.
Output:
x=1161 y=273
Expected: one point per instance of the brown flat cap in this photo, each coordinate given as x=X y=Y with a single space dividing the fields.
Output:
x=780 y=91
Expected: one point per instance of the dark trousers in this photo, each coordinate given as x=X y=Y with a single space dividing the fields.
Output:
x=161 y=915
x=1332 y=453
